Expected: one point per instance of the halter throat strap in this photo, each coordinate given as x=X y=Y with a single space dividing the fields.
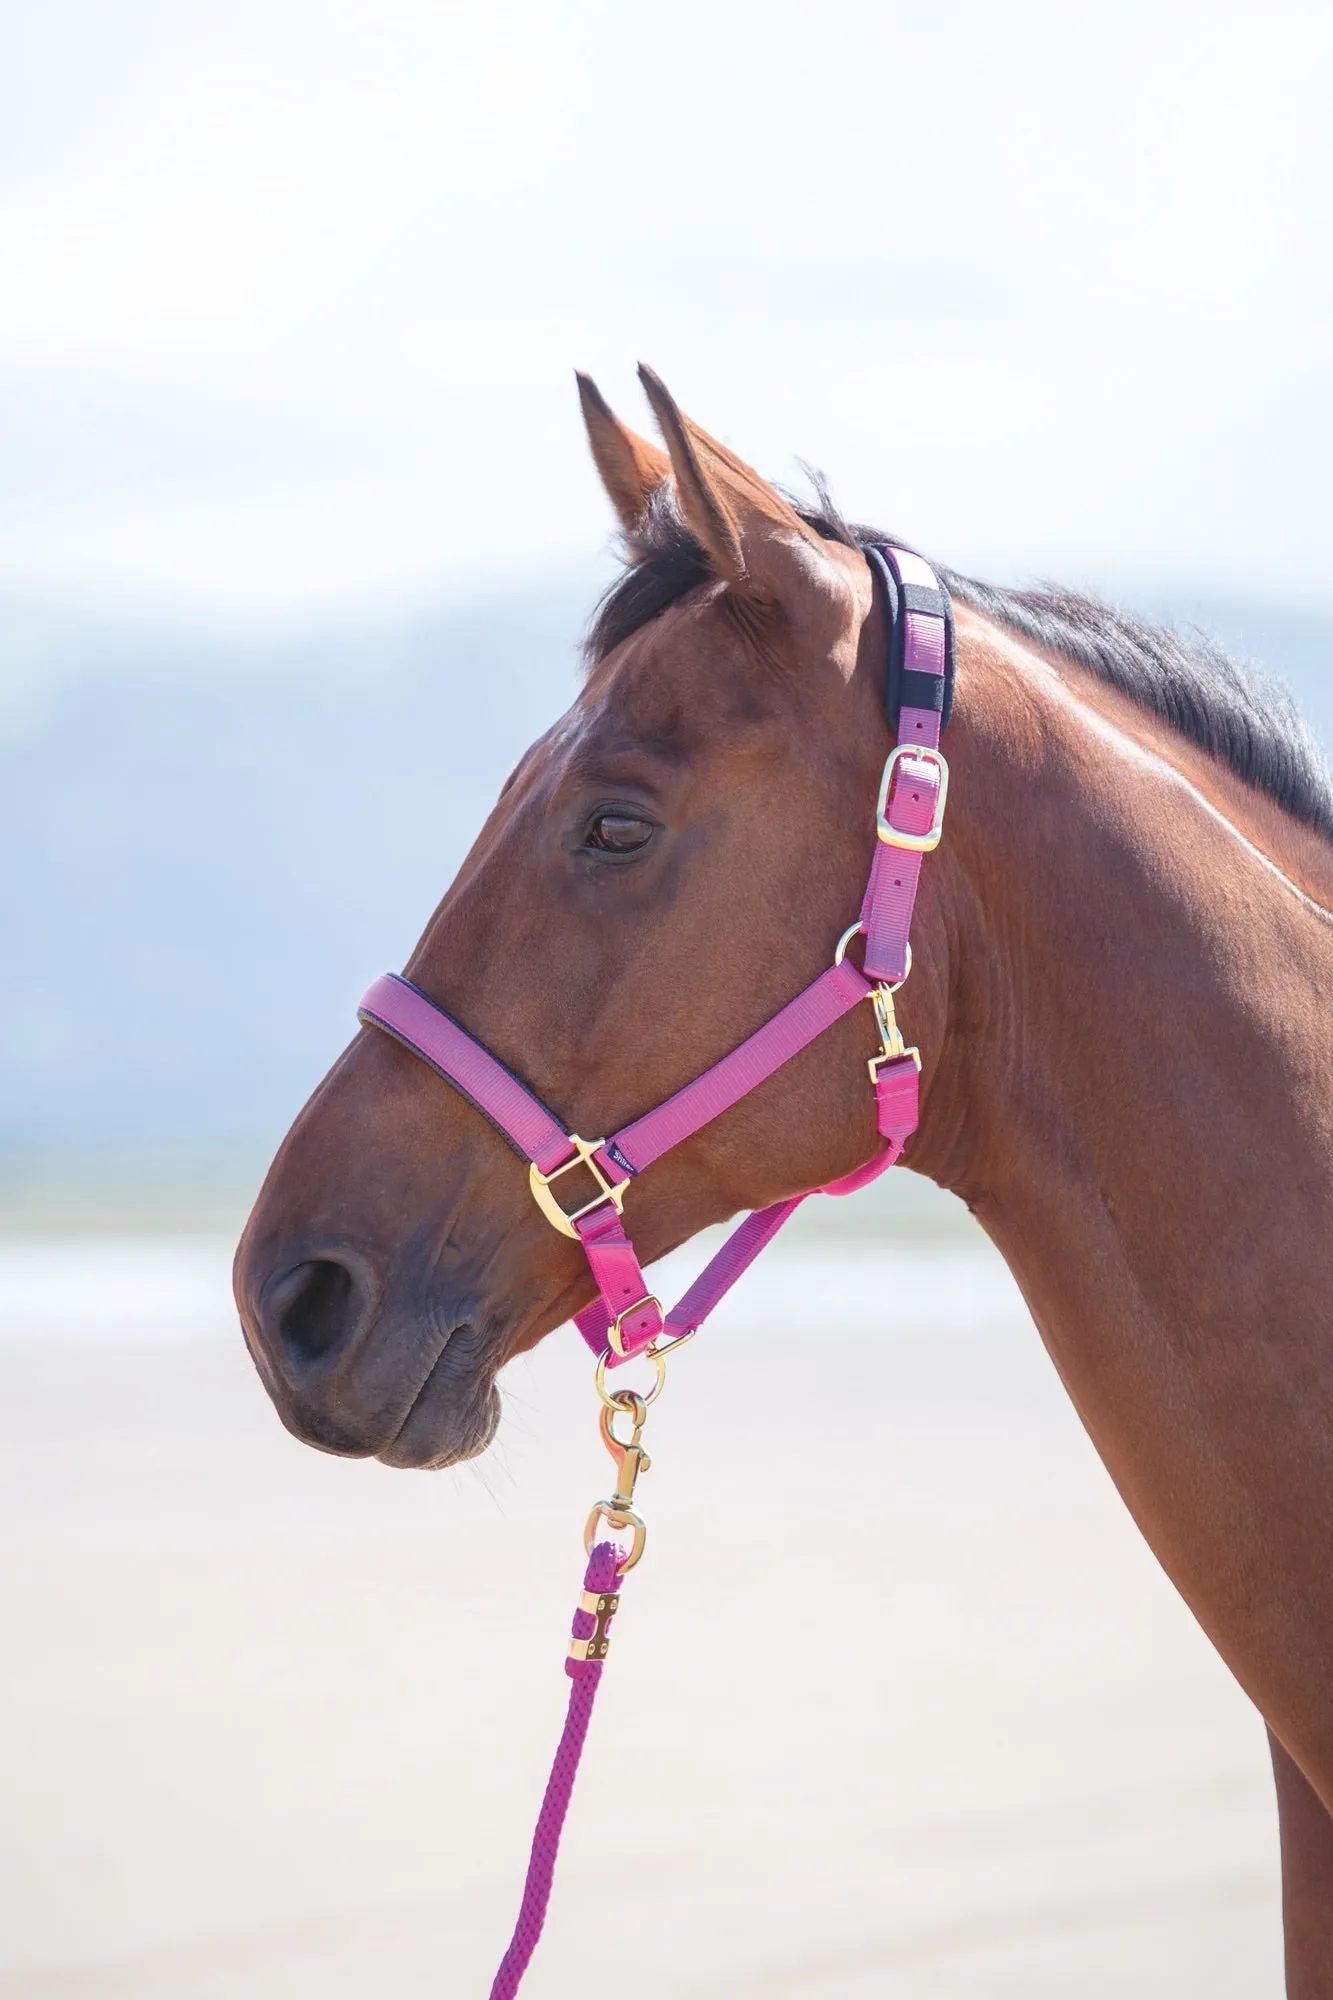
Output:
x=591 y=1176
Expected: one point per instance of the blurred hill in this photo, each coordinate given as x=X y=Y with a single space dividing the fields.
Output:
x=207 y=849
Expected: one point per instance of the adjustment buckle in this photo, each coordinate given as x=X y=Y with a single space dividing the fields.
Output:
x=564 y=1219
x=615 y=1337
x=892 y=836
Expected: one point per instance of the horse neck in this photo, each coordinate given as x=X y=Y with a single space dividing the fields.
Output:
x=1129 y=1081
x=1123 y=1011
x=1130 y=1076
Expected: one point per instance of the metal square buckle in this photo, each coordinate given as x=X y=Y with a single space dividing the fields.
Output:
x=564 y=1219
x=892 y=836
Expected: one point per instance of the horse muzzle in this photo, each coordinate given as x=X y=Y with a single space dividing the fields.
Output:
x=364 y=1370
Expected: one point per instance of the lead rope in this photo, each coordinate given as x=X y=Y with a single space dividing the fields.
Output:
x=607 y=1565
x=598 y=1585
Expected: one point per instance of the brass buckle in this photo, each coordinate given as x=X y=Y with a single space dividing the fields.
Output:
x=562 y=1219
x=892 y=836
x=615 y=1338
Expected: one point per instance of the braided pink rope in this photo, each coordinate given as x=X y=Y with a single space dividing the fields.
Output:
x=602 y=1576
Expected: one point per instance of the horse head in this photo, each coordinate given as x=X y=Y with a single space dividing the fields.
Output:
x=671 y=862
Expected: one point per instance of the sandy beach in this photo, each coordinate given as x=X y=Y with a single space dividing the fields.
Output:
x=898 y=1704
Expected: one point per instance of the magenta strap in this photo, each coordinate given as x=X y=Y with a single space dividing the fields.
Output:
x=915 y=796
x=626 y=1319
x=712 y=1284
x=896 y=1097
x=403 y=1011
x=799 y=1023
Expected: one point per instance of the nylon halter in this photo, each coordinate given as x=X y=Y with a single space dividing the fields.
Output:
x=626 y=1319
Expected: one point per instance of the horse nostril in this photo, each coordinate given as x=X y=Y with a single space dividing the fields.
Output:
x=313 y=1308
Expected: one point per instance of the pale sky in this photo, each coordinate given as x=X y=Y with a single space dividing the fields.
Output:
x=291 y=291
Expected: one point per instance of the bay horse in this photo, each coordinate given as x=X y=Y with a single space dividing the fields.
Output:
x=1123 y=960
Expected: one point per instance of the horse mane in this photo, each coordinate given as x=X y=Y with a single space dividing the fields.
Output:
x=1245 y=719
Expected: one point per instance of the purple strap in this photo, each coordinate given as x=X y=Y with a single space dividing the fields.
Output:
x=711 y=1286
x=890 y=898
x=624 y=1298
x=798 y=1024
x=403 y=1011
x=602 y=1575
x=896 y=1093
x=886 y=913
x=625 y=1315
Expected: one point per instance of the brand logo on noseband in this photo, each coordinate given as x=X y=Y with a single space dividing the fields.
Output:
x=613 y=1152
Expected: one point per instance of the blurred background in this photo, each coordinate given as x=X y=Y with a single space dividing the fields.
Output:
x=297 y=539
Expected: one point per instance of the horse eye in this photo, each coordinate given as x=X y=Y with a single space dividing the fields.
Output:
x=618 y=833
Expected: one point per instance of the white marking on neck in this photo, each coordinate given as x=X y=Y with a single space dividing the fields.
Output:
x=1153 y=761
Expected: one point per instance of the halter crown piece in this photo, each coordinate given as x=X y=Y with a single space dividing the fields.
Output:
x=579 y=1184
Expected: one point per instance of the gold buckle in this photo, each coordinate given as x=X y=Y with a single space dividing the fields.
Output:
x=876 y=1063
x=892 y=836
x=563 y=1219
x=615 y=1338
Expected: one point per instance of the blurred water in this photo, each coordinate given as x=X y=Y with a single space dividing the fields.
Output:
x=115 y=1288
x=119 y=1288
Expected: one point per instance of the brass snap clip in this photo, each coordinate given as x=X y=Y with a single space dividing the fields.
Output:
x=892 y=1046
x=631 y=1460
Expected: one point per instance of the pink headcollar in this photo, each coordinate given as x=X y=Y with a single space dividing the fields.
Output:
x=625 y=1319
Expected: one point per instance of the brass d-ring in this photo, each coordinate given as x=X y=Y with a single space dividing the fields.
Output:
x=617 y=1519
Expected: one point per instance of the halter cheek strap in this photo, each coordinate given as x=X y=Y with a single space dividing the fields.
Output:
x=580 y=1184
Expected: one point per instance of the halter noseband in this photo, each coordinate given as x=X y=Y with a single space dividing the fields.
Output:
x=626 y=1319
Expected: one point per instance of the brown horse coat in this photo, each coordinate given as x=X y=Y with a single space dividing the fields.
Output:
x=1123 y=964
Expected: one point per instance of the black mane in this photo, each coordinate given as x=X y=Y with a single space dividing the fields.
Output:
x=1243 y=718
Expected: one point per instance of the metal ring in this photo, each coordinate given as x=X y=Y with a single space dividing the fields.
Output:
x=852 y=930
x=649 y=1354
x=618 y=1519
x=634 y=1407
x=841 y=953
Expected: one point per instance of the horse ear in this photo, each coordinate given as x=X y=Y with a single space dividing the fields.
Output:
x=631 y=468
x=703 y=506
x=748 y=531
